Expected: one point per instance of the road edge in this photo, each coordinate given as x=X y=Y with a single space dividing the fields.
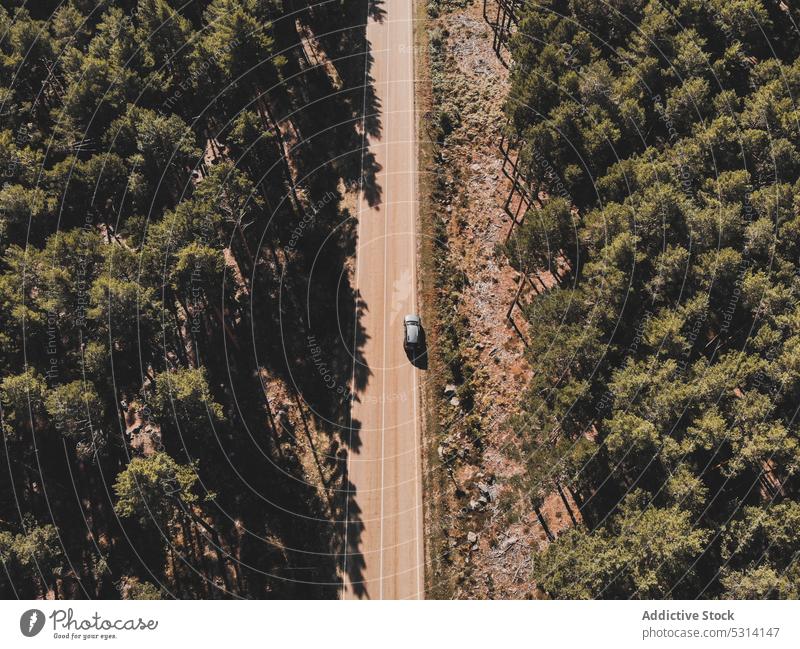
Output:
x=433 y=480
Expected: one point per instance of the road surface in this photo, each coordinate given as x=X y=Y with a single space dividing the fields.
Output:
x=386 y=559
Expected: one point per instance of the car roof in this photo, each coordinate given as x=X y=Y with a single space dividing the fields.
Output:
x=412 y=332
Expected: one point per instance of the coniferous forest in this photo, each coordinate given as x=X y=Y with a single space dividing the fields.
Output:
x=174 y=173
x=179 y=181
x=660 y=140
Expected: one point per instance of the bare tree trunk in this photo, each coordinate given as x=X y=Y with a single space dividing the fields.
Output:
x=270 y=122
x=217 y=543
x=543 y=522
x=566 y=503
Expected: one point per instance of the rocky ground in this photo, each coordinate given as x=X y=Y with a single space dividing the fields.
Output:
x=489 y=532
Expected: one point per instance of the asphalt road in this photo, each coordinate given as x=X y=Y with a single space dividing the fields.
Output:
x=387 y=555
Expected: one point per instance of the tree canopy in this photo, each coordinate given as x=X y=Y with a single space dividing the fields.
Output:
x=151 y=294
x=662 y=139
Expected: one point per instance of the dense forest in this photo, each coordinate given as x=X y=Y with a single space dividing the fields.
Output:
x=660 y=138
x=173 y=199
x=176 y=177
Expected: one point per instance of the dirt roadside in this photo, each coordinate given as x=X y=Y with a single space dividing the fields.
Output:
x=480 y=532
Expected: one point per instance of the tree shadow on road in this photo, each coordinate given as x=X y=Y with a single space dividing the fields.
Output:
x=353 y=563
x=309 y=322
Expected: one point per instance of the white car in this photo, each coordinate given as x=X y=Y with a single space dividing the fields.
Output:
x=412 y=333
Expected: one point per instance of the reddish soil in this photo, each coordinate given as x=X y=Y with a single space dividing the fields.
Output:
x=492 y=531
